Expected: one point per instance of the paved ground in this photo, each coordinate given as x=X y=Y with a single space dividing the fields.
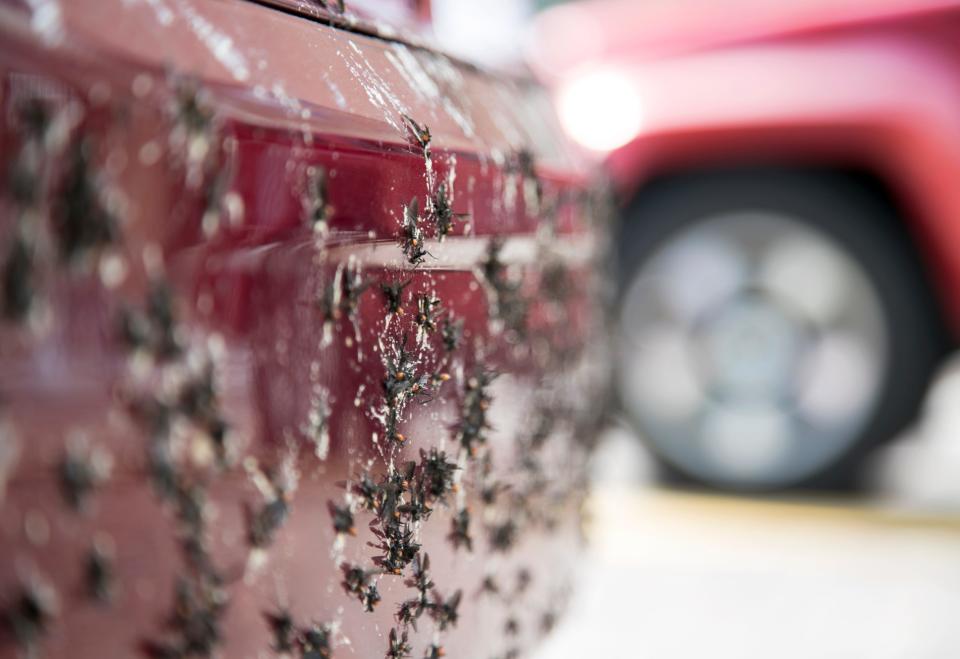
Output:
x=681 y=575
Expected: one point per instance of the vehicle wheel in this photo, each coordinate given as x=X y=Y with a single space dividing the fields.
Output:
x=772 y=328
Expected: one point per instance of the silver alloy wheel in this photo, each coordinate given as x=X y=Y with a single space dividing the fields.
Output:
x=753 y=349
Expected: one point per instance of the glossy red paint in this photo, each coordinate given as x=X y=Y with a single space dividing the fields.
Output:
x=867 y=85
x=220 y=217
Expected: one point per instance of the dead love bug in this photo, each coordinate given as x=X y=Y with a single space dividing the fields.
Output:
x=29 y=616
x=316 y=642
x=395 y=541
x=440 y=211
x=434 y=651
x=489 y=492
x=420 y=579
x=428 y=307
x=397 y=645
x=263 y=523
x=318 y=210
x=493 y=267
x=445 y=612
x=471 y=430
x=523 y=162
x=511 y=627
x=359 y=583
x=435 y=474
x=80 y=220
x=200 y=603
x=16 y=280
x=100 y=573
x=489 y=586
x=411 y=238
x=390 y=490
x=400 y=382
x=192 y=110
x=342 y=519
x=283 y=629
x=366 y=491
x=547 y=622
x=416 y=508
x=524 y=578
x=452 y=332
x=154 y=330
x=393 y=295
x=460 y=530
x=509 y=306
x=502 y=536
x=34 y=116
x=419 y=133
x=82 y=470
x=409 y=612
x=341 y=297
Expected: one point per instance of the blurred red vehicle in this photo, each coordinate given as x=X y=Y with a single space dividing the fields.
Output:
x=300 y=349
x=790 y=253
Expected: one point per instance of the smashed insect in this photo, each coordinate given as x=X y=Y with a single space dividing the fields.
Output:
x=412 y=239
x=452 y=333
x=460 y=530
x=315 y=642
x=434 y=651
x=317 y=206
x=445 y=611
x=342 y=519
x=29 y=617
x=440 y=211
x=359 y=583
x=264 y=522
x=472 y=428
x=100 y=573
x=503 y=536
x=436 y=475
x=282 y=627
x=341 y=297
x=398 y=646
x=508 y=304
x=199 y=605
x=428 y=307
x=419 y=133
x=80 y=220
x=393 y=295
x=82 y=470
x=17 y=280
x=154 y=330
x=396 y=542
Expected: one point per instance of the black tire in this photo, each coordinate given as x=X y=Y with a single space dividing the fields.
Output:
x=867 y=229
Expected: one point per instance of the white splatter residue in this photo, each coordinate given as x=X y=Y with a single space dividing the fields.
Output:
x=317 y=426
x=407 y=65
x=376 y=88
x=46 y=19
x=161 y=11
x=219 y=44
x=338 y=96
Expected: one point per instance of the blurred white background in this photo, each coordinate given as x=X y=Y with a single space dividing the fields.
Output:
x=679 y=575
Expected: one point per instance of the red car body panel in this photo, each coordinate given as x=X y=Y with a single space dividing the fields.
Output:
x=201 y=127
x=868 y=85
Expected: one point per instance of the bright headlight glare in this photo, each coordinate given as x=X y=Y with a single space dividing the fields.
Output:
x=600 y=109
